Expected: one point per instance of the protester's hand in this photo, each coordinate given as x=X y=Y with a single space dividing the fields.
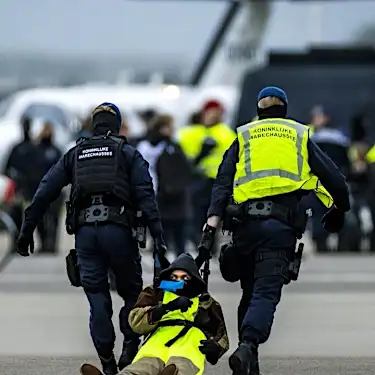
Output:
x=24 y=243
x=181 y=303
x=333 y=220
x=211 y=349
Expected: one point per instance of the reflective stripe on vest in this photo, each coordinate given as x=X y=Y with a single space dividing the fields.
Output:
x=253 y=175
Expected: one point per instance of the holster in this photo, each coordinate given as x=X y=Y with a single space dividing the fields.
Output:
x=140 y=230
x=295 y=263
x=72 y=268
x=289 y=272
x=71 y=218
x=234 y=214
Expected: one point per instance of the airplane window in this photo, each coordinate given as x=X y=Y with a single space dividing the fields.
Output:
x=47 y=112
x=5 y=104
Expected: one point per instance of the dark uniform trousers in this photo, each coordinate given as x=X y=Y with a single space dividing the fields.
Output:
x=264 y=246
x=99 y=249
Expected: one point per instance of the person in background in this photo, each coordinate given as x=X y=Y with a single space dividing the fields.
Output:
x=48 y=227
x=205 y=145
x=194 y=119
x=23 y=164
x=23 y=167
x=171 y=173
x=85 y=131
x=147 y=116
x=336 y=145
x=124 y=130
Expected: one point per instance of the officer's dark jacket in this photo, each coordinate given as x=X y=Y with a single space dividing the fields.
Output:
x=321 y=166
x=61 y=174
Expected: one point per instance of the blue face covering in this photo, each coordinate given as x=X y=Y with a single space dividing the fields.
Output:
x=171 y=286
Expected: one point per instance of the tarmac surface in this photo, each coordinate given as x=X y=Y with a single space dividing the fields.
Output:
x=324 y=325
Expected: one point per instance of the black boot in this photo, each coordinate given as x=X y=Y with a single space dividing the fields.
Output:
x=240 y=361
x=109 y=365
x=129 y=351
x=254 y=367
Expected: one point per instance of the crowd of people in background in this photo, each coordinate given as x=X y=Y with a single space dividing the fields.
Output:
x=28 y=161
x=184 y=162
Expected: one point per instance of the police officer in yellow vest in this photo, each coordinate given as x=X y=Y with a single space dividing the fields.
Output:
x=268 y=169
x=205 y=145
x=184 y=325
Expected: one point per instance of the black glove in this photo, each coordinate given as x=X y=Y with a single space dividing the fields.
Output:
x=160 y=246
x=24 y=242
x=180 y=303
x=333 y=220
x=207 y=242
x=157 y=313
x=211 y=349
x=208 y=145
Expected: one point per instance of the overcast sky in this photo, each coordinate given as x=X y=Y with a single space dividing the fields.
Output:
x=169 y=28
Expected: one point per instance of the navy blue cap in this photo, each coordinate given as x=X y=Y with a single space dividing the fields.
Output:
x=108 y=107
x=273 y=91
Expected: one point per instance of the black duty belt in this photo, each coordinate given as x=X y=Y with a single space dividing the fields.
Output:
x=101 y=213
x=269 y=209
x=186 y=324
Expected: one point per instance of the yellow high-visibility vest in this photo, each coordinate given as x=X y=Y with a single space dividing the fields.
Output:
x=370 y=156
x=192 y=138
x=273 y=160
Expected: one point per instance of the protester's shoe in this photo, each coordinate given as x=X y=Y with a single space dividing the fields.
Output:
x=87 y=369
x=169 y=370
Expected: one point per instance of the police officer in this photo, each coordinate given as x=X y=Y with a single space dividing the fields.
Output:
x=268 y=169
x=109 y=179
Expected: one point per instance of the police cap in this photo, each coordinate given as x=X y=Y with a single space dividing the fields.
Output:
x=273 y=91
x=109 y=108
